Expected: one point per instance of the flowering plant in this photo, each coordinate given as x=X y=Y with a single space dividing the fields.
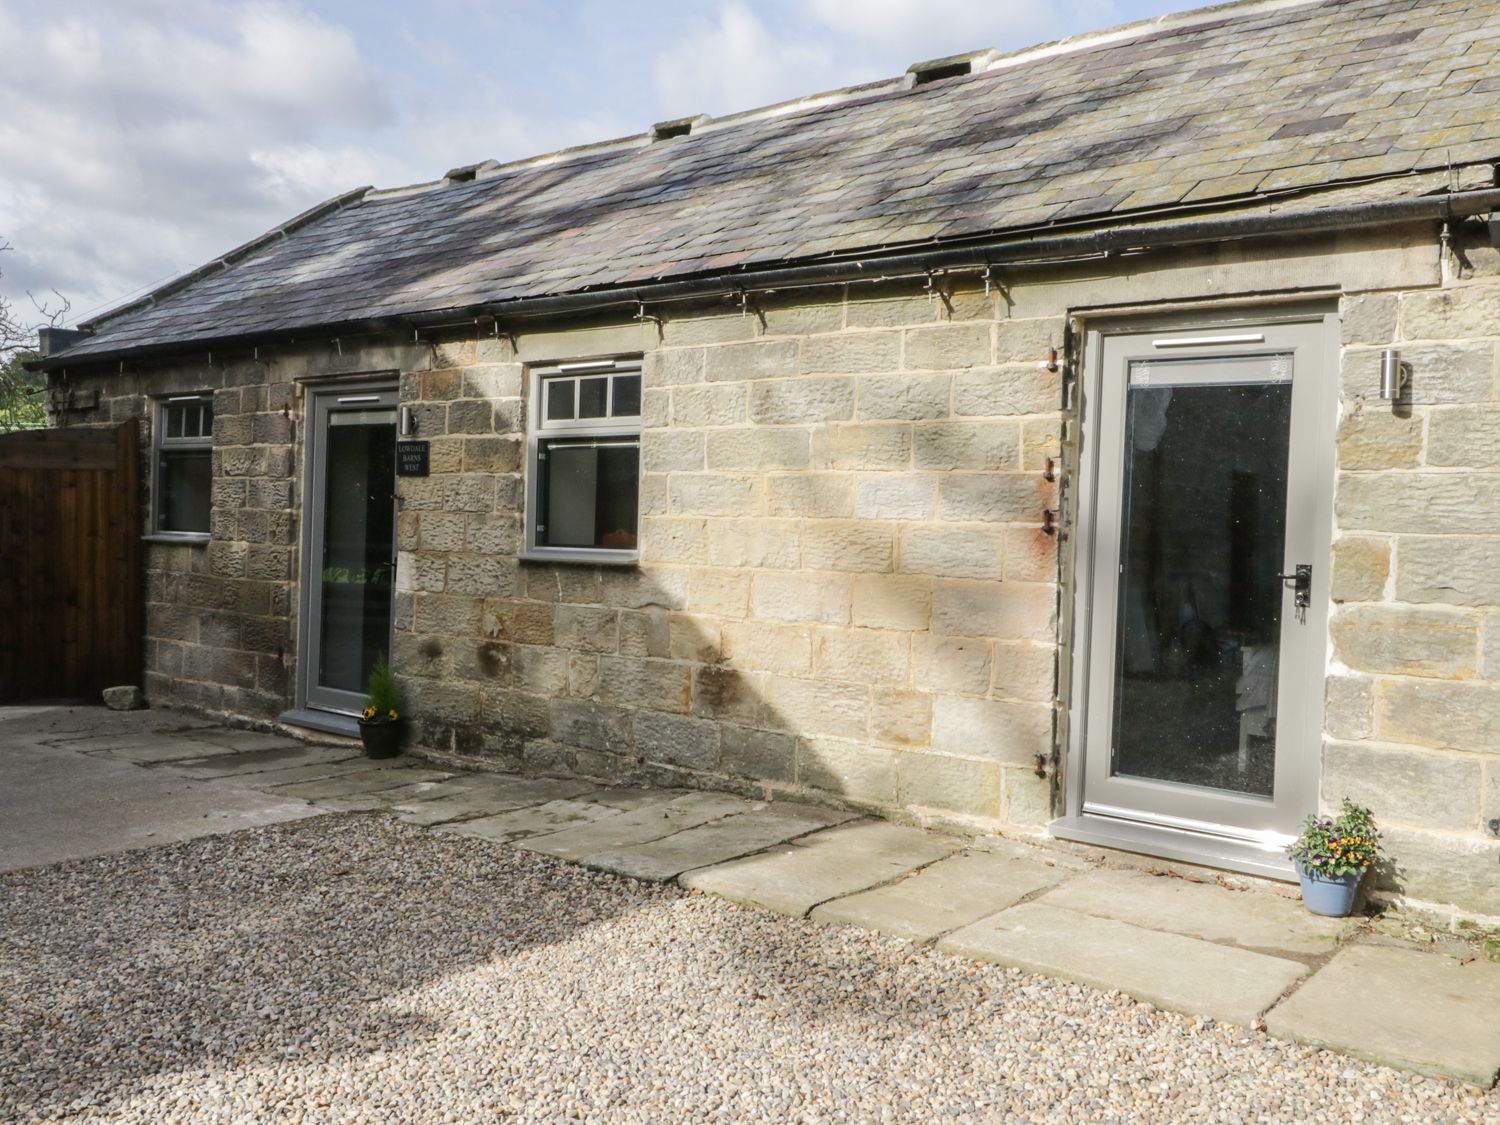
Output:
x=383 y=701
x=1346 y=844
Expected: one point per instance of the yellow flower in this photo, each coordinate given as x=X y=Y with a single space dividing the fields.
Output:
x=392 y=713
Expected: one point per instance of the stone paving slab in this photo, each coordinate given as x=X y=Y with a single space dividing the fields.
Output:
x=1252 y=919
x=246 y=741
x=794 y=878
x=248 y=762
x=450 y=802
x=640 y=825
x=165 y=750
x=271 y=779
x=658 y=861
x=1179 y=973
x=358 y=782
x=536 y=820
x=951 y=893
x=1402 y=1008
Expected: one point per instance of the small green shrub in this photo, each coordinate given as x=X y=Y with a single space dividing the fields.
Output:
x=384 y=699
x=1338 y=845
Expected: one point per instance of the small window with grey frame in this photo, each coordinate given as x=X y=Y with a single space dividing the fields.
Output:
x=585 y=464
x=183 y=466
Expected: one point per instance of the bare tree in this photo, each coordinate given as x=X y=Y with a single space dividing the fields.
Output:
x=21 y=391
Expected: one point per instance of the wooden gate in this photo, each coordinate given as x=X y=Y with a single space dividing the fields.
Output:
x=70 y=563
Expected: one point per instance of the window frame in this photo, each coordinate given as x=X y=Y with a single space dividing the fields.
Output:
x=161 y=442
x=539 y=429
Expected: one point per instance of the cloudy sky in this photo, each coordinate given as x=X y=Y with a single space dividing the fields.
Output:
x=139 y=138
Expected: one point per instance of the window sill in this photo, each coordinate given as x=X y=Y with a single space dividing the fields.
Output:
x=182 y=538
x=583 y=556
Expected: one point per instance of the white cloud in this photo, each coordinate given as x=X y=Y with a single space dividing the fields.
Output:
x=734 y=62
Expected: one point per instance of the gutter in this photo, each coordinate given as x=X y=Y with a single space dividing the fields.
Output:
x=978 y=256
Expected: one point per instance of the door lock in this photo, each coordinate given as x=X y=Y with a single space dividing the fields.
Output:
x=1301 y=580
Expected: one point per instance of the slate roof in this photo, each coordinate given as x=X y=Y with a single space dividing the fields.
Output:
x=1232 y=104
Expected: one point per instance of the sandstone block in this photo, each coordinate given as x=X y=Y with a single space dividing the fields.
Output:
x=850 y=769
x=863 y=445
x=1360 y=569
x=1464 y=436
x=760 y=754
x=693 y=638
x=813 y=495
x=890 y=310
x=801 y=597
x=1030 y=555
x=986 y=609
x=674 y=540
x=846 y=353
x=456 y=615
x=493 y=534
x=645 y=632
x=952 y=665
x=847 y=546
x=672 y=451
x=592 y=726
x=126 y=697
x=947 y=347
x=715 y=494
x=763 y=647
x=719 y=593
x=862 y=656
x=761 y=359
x=670 y=367
x=1379 y=439
x=756 y=544
x=966 y=445
x=1460 y=571
x=585 y=628
x=1461 y=312
x=1439 y=374
x=1020 y=341
x=1421 y=788
x=998 y=391
x=889 y=602
x=758 y=448
x=677 y=740
x=813 y=707
x=729 y=694
x=775 y=402
x=1024 y=672
x=951 y=553
x=1349 y=707
x=491 y=381
x=1411 y=642
x=1443 y=868
x=539 y=671
x=803 y=319
x=948 y=784
x=995 y=730
x=1418 y=503
x=710 y=404
x=1369 y=319
x=1028 y=798
x=901 y=717
x=1458 y=716
x=896 y=496
x=905 y=397
x=995 y=497
x=471 y=416
x=517 y=622
x=482 y=575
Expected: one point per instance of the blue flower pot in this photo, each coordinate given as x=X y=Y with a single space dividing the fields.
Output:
x=1329 y=895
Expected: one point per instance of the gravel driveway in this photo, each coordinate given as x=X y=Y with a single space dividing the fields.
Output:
x=351 y=968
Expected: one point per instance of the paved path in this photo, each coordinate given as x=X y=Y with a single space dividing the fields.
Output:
x=1197 y=948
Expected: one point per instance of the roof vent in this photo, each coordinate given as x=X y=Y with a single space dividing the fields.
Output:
x=953 y=66
x=679 y=127
x=466 y=172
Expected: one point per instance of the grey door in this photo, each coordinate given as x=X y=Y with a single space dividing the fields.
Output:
x=1202 y=707
x=349 y=554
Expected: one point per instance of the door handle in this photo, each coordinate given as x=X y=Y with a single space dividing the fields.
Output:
x=1301 y=580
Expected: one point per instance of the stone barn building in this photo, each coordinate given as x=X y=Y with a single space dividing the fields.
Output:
x=1101 y=440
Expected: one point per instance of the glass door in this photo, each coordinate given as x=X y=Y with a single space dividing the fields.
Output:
x=1210 y=553
x=349 y=571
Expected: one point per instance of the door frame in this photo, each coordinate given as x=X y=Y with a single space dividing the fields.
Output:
x=1259 y=853
x=319 y=397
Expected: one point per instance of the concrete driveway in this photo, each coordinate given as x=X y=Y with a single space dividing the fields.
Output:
x=74 y=785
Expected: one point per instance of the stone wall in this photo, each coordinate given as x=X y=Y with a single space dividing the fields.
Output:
x=1413 y=696
x=844 y=584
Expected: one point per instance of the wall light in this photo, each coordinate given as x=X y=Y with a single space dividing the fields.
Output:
x=408 y=422
x=1392 y=375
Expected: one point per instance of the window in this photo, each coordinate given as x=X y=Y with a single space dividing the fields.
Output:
x=583 y=497
x=183 y=467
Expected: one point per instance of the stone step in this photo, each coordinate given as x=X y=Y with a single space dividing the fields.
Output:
x=1405 y=1008
x=951 y=893
x=717 y=842
x=1179 y=973
x=795 y=877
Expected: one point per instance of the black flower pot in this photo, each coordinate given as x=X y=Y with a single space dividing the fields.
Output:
x=382 y=737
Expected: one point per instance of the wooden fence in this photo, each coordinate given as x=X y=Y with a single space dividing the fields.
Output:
x=70 y=563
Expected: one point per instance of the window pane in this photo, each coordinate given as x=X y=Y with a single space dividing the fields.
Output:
x=589 y=494
x=627 y=396
x=183 y=488
x=591 y=394
x=559 y=399
x=174 y=421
